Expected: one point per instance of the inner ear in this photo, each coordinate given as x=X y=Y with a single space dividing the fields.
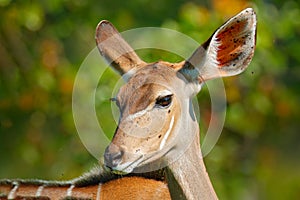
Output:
x=228 y=52
x=235 y=43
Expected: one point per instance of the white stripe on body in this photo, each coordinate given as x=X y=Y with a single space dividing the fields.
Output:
x=98 y=192
x=39 y=191
x=12 y=193
x=69 y=191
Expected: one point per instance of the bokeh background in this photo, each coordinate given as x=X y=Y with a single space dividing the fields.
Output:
x=43 y=43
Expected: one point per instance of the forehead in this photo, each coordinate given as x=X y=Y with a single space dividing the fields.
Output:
x=151 y=78
x=145 y=86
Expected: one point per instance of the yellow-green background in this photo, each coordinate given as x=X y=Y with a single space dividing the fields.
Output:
x=42 y=44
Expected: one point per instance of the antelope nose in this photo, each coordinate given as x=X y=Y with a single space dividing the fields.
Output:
x=113 y=156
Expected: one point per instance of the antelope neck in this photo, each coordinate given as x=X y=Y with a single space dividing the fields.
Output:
x=187 y=177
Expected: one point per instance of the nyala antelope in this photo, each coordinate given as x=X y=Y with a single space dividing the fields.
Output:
x=157 y=122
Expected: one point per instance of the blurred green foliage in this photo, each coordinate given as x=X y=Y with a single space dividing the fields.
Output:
x=42 y=44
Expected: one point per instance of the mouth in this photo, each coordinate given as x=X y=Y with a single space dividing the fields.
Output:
x=143 y=159
x=127 y=167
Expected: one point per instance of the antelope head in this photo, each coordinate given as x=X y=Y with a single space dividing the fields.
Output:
x=157 y=120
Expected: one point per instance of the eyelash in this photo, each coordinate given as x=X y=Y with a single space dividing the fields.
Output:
x=114 y=99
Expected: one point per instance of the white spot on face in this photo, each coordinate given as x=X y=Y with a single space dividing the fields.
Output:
x=136 y=115
x=163 y=142
x=164 y=93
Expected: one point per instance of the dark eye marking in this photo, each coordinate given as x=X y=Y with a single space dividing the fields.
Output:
x=164 y=101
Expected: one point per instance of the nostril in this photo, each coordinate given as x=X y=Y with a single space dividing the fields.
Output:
x=113 y=156
x=118 y=155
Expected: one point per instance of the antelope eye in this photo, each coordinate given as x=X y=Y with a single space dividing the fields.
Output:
x=164 y=101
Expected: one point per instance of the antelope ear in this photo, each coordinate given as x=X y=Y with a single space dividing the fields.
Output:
x=228 y=52
x=115 y=49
